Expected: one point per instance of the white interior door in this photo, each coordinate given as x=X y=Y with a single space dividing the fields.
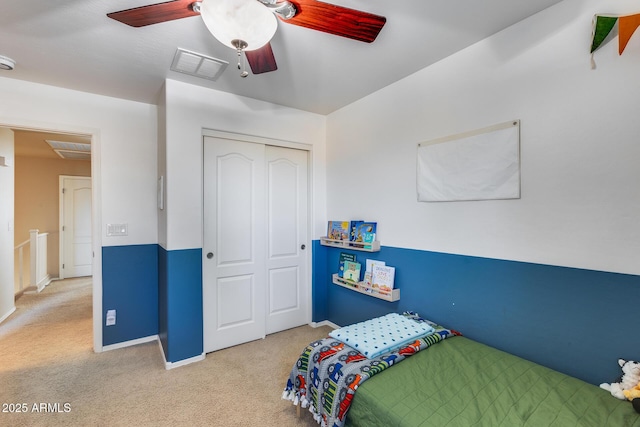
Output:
x=254 y=268
x=75 y=227
x=234 y=247
x=287 y=295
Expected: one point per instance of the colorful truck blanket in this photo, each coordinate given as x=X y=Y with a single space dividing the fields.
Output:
x=328 y=373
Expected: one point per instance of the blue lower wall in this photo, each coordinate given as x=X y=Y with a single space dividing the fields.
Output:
x=130 y=286
x=321 y=276
x=154 y=292
x=575 y=321
x=163 y=303
x=180 y=303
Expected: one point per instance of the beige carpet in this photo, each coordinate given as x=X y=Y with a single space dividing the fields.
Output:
x=46 y=357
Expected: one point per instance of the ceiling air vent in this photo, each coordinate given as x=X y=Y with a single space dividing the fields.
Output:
x=71 y=150
x=198 y=65
x=74 y=155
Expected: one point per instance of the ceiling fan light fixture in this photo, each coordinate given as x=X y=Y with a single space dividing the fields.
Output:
x=247 y=20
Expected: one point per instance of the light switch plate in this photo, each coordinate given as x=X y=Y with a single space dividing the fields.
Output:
x=117 y=230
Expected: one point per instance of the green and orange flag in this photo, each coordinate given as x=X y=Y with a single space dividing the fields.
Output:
x=605 y=27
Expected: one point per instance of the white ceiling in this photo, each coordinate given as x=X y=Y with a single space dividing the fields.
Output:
x=72 y=44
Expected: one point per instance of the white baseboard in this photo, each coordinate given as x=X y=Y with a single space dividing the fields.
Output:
x=167 y=365
x=179 y=363
x=36 y=289
x=9 y=313
x=129 y=343
x=324 y=323
x=44 y=283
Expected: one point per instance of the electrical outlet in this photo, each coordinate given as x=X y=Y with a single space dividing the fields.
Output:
x=111 y=317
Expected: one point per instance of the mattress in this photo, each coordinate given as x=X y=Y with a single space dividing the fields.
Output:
x=460 y=382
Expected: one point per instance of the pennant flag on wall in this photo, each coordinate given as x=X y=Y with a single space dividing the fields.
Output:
x=602 y=27
x=627 y=25
x=606 y=27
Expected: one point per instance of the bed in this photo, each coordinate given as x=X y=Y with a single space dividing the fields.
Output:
x=443 y=378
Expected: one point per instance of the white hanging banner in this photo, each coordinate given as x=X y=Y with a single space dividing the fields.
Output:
x=479 y=165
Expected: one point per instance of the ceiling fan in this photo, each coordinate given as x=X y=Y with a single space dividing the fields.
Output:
x=248 y=25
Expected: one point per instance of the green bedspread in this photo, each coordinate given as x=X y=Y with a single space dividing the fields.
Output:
x=461 y=382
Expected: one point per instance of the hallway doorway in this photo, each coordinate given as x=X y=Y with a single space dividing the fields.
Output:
x=41 y=158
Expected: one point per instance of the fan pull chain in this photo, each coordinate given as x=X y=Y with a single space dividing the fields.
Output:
x=242 y=67
x=240 y=45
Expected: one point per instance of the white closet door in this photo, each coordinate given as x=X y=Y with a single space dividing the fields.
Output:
x=287 y=238
x=255 y=255
x=234 y=244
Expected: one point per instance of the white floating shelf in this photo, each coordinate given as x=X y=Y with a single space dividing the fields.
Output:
x=348 y=244
x=361 y=288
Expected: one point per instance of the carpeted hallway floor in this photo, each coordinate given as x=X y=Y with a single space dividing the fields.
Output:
x=46 y=357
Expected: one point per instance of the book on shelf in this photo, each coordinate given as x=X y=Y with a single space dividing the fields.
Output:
x=364 y=232
x=368 y=271
x=383 y=277
x=353 y=225
x=352 y=271
x=344 y=256
x=367 y=280
x=338 y=230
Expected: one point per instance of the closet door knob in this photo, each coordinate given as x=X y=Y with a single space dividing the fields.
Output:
x=210 y=255
x=303 y=247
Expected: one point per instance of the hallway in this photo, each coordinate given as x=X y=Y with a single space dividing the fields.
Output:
x=59 y=317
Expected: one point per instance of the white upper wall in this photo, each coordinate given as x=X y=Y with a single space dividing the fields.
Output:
x=579 y=146
x=125 y=135
x=7 y=179
x=191 y=109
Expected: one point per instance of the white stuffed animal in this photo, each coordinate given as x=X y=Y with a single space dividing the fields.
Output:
x=630 y=378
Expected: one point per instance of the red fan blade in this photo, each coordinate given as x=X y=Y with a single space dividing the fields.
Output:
x=154 y=13
x=261 y=60
x=337 y=20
